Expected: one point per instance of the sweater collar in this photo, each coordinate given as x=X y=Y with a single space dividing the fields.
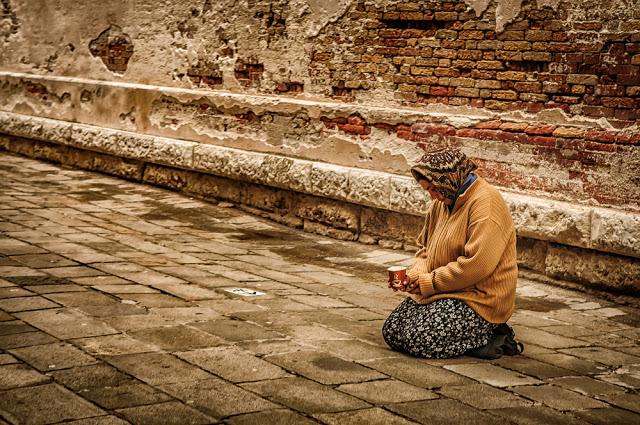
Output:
x=468 y=182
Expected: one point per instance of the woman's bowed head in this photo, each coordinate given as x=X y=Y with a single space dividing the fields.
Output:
x=445 y=174
x=462 y=286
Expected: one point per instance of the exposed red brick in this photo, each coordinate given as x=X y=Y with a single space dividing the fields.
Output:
x=598 y=111
x=528 y=86
x=596 y=191
x=390 y=33
x=425 y=128
x=387 y=51
x=540 y=129
x=413 y=33
x=628 y=79
x=568 y=132
x=627 y=114
x=354 y=129
x=490 y=125
x=514 y=126
x=616 y=102
x=533 y=107
x=589 y=157
x=586 y=145
x=505 y=136
x=439 y=91
x=406 y=134
x=600 y=136
x=356 y=120
x=609 y=90
x=542 y=140
x=477 y=133
x=629 y=139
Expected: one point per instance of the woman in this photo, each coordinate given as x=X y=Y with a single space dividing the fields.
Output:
x=462 y=286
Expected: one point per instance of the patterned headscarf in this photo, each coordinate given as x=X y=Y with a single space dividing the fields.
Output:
x=446 y=169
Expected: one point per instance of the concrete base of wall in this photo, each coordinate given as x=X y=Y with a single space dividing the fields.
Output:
x=587 y=268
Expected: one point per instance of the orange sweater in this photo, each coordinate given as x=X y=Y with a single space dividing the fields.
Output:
x=469 y=254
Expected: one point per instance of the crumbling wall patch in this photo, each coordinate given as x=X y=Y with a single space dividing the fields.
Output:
x=114 y=47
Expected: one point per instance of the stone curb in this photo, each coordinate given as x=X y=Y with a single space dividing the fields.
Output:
x=582 y=226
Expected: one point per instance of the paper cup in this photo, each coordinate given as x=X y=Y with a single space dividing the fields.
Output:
x=397 y=274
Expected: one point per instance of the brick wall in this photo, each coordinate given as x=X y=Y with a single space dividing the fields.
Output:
x=441 y=52
x=564 y=162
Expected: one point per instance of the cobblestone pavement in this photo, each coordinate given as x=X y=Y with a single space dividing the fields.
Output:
x=116 y=307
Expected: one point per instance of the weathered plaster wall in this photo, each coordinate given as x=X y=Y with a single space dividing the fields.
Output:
x=543 y=94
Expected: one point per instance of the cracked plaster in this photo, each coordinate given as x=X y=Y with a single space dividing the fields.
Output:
x=506 y=10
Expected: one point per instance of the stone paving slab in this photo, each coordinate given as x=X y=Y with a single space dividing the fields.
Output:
x=417 y=373
x=387 y=391
x=233 y=364
x=125 y=395
x=115 y=309
x=170 y=413
x=276 y=416
x=218 y=398
x=558 y=398
x=19 y=375
x=542 y=415
x=373 y=416
x=66 y=323
x=53 y=356
x=176 y=338
x=26 y=339
x=305 y=395
x=483 y=396
x=158 y=368
x=324 y=368
x=44 y=404
x=83 y=377
x=100 y=420
x=442 y=411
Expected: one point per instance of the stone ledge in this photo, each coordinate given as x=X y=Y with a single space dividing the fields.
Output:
x=581 y=226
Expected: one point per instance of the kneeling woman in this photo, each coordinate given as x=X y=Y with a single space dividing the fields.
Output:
x=462 y=286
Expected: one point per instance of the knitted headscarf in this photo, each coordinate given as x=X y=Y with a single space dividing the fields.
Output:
x=446 y=169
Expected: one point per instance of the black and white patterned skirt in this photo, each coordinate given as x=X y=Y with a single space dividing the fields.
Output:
x=442 y=329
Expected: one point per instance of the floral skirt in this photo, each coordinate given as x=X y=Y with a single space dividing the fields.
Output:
x=442 y=329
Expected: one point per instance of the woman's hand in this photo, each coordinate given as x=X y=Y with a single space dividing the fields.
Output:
x=406 y=285
x=412 y=287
